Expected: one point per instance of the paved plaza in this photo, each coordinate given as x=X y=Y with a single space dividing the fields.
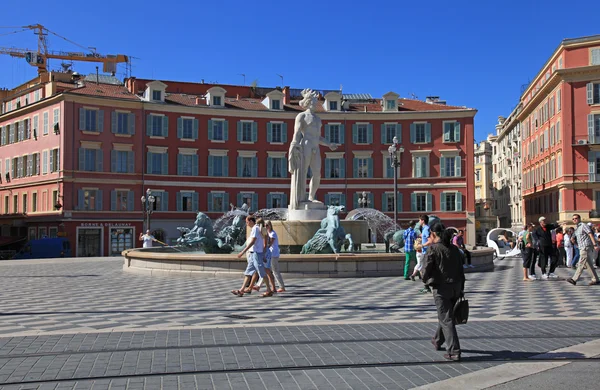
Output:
x=84 y=323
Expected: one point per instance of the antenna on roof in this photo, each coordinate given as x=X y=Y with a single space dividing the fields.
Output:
x=412 y=95
x=281 y=79
x=244 y=75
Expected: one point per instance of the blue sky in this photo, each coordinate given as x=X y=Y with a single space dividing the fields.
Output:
x=466 y=52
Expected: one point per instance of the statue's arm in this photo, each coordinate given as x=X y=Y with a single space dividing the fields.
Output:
x=298 y=134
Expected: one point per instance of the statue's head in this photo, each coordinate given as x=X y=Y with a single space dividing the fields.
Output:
x=310 y=99
x=335 y=210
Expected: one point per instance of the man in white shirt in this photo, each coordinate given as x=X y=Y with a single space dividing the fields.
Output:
x=147 y=239
x=255 y=247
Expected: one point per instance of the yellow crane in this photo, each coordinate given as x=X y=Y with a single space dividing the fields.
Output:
x=40 y=57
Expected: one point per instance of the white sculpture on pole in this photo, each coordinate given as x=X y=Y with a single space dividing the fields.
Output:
x=304 y=153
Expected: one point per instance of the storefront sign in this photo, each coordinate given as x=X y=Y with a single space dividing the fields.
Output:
x=106 y=224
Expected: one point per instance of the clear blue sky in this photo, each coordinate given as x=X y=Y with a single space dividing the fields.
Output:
x=467 y=52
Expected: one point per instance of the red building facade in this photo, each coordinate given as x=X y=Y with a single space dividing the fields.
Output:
x=81 y=154
x=560 y=119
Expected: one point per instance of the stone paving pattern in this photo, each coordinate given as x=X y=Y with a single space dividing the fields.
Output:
x=347 y=333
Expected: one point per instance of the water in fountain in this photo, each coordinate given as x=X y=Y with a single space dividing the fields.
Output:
x=236 y=217
x=378 y=222
x=272 y=214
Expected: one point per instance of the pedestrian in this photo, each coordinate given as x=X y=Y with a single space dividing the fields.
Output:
x=419 y=255
x=587 y=242
x=255 y=246
x=459 y=242
x=147 y=239
x=560 y=247
x=597 y=236
x=568 y=246
x=443 y=272
x=409 y=248
x=272 y=260
x=544 y=237
x=425 y=236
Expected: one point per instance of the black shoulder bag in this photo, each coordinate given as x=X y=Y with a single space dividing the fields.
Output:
x=461 y=311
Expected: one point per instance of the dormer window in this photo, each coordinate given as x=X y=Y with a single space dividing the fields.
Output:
x=333 y=101
x=273 y=100
x=390 y=101
x=155 y=91
x=215 y=97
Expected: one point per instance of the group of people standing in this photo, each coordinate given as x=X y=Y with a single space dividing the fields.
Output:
x=551 y=245
x=262 y=249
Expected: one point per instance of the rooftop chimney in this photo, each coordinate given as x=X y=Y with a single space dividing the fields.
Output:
x=286 y=95
x=237 y=97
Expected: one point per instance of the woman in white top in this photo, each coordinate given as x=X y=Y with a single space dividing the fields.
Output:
x=568 y=247
x=274 y=249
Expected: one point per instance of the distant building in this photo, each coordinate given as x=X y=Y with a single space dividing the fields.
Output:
x=485 y=220
x=77 y=155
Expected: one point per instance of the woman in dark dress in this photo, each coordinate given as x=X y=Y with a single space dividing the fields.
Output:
x=443 y=272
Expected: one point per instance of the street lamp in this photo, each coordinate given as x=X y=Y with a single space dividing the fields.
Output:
x=395 y=151
x=363 y=200
x=147 y=206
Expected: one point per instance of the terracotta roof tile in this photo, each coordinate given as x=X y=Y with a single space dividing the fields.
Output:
x=105 y=90
x=182 y=99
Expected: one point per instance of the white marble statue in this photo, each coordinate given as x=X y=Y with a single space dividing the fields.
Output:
x=304 y=151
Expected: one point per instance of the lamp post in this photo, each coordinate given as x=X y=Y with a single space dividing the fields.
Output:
x=395 y=151
x=363 y=200
x=147 y=206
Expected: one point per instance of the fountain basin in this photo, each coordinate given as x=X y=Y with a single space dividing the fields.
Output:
x=344 y=265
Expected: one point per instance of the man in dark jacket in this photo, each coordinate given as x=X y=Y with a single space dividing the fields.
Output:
x=543 y=235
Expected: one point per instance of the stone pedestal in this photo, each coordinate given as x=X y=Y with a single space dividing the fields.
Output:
x=307 y=211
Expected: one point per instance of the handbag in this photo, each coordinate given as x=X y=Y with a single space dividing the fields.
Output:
x=461 y=311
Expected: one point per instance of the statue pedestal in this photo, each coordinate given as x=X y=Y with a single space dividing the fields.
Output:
x=307 y=211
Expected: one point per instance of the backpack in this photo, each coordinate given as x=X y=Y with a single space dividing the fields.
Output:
x=521 y=242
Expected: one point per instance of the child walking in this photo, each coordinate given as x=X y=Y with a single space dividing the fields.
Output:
x=419 y=266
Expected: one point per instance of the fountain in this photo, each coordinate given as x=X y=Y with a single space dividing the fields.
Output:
x=310 y=233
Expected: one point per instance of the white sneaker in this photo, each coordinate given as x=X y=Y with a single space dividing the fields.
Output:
x=532 y=277
x=465 y=266
x=471 y=266
x=553 y=276
x=544 y=276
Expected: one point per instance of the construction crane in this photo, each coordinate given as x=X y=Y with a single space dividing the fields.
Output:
x=39 y=58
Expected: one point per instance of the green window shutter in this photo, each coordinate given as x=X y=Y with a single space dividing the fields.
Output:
x=557 y=132
x=429 y=202
x=113 y=122
x=165 y=163
x=355 y=200
x=428 y=132
x=389 y=169
x=113 y=201
x=180 y=128
x=591 y=132
x=443 y=166
x=383 y=133
x=113 y=160
x=165 y=126
x=130 y=201
x=131 y=162
x=239 y=131
x=254 y=131
x=149 y=162
x=370 y=133
x=210 y=165
x=179 y=201
x=131 y=124
x=165 y=201
x=342 y=134
x=419 y=167
x=195 y=128
x=457 y=166
x=327 y=135
x=384 y=201
x=80 y=200
x=99 y=206
x=592 y=165
x=399 y=201
x=327 y=200
x=354 y=167
x=413 y=133
x=225 y=201
x=195 y=165
x=255 y=202
x=443 y=201
x=179 y=164
x=447 y=127
x=269 y=132
x=239 y=199
x=254 y=166
x=342 y=199
x=226 y=130
x=342 y=167
x=210 y=130
x=99 y=160
x=225 y=162
x=426 y=167
x=327 y=168
x=100 y=121
x=210 y=201
x=413 y=202
x=239 y=166
x=82 y=119
x=399 y=132
x=284 y=136
x=458 y=201
x=195 y=202
x=149 y=125
x=269 y=201
x=370 y=167
x=590 y=93
x=355 y=134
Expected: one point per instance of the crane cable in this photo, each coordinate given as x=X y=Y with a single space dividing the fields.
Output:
x=68 y=40
x=13 y=32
